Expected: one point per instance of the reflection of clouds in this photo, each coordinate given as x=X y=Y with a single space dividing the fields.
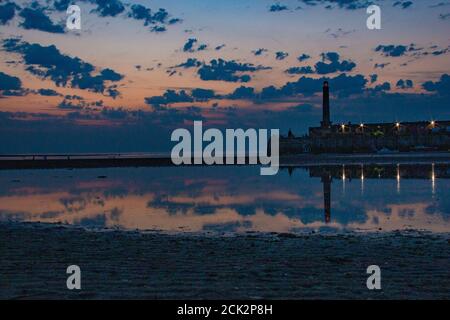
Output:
x=133 y=212
x=220 y=199
x=401 y=216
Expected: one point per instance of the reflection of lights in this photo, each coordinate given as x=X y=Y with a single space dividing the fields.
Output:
x=343 y=179
x=398 y=178
x=362 y=179
x=433 y=179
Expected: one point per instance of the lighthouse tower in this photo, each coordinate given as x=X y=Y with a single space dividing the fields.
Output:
x=326 y=123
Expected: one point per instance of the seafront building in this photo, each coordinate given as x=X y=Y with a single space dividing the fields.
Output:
x=431 y=135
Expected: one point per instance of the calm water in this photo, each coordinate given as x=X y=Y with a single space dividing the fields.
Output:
x=233 y=199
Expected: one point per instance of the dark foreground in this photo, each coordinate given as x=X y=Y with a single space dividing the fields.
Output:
x=117 y=264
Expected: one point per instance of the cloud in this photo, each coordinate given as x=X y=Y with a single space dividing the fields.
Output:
x=190 y=63
x=192 y=45
x=259 y=51
x=333 y=65
x=109 y=8
x=200 y=94
x=300 y=70
x=61 y=5
x=35 y=18
x=403 y=4
x=303 y=57
x=158 y=20
x=339 y=33
x=373 y=78
x=219 y=47
x=278 y=7
x=404 y=84
x=7 y=12
x=242 y=93
x=342 y=4
x=280 y=55
x=48 y=92
x=343 y=85
x=381 y=65
x=445 y=16
x=386 y=86
x=47 y=62
x=392 y=50
x=170 y=96
x=442 y=86
x=222 y=70
x=8 y=82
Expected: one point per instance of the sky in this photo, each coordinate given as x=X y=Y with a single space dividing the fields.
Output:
x=137 y=70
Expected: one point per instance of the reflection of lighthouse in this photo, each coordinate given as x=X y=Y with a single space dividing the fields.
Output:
x=326 y=180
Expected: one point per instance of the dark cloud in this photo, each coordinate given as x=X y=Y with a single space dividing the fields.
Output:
x=35 y=18
x=61 y=5
x=280 y=55
x=404 y=84
x=442 y=86
x=190 y=63
x=219 y=47
x=231 y=71
x=300 y=70
x=373 y=78
x=444 y=16
x=403 y=4
x=243 y=93
x=48 y=92
x=259 y=51
x=386 y=86
x=157 y=21
x=8 y=82
x=303 y=57
x=49 y=63
x=170 y=96
x=192 y=45
x=278 y=7
x=200 y=94
x=181 y=96
x=339 y=33
x=7 y=12
x=70 y=105
x=109 y=8
x=330 y=63
x=381 y=65
x=342 y=4
x=392 y=50
x=343 y=85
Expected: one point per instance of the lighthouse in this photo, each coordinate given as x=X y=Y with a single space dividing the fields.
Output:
x=326 y=123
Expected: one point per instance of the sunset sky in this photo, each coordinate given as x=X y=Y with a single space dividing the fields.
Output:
x=139 y=69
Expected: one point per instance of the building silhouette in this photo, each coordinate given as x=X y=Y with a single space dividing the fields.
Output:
x=367 y=138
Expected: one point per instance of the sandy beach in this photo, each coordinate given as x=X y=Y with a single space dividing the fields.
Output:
x=154 y=265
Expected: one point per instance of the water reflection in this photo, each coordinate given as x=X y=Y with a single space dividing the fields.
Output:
x=234 y=199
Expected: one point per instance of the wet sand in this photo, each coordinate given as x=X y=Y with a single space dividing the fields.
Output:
x=152 y=265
